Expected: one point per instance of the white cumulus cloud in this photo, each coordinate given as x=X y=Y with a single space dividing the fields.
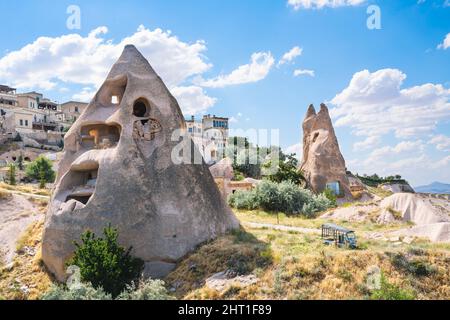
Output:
x=290 y=55
x=297 y=149
x=49 y=62
x=303 y=72
x=319 y=4
x=87 y=60
x=86 y=94
x=375 y=104
x=446 y=43
x=442 y=142
x=192 y=99
x=368 y=143
x=258 y=69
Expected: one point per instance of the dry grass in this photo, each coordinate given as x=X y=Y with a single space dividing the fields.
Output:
x=4 y=194
x=396 y=214
x=299 y=221
x=240 y=252
x=357 y=195
x=28 y=278
x=302 y=267
x=380 y=192
x=26 y=188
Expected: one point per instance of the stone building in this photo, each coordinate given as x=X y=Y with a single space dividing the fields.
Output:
x=210 y=135
x=72 y=110
x=8 y=99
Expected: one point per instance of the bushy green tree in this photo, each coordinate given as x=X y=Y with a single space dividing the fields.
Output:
x=247 y=158
x=104 y=263
x=40 y=170
x=287 y=169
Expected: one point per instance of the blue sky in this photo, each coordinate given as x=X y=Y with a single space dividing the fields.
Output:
x=388 y=89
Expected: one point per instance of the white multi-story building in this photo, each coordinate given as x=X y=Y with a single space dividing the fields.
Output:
x=47 y=115
x=72 y=110
x=31 y=112
x=210 y=135
x=8 y=99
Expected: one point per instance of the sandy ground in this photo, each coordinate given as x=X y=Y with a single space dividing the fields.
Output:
x=430 y=216
x=256 y=225
x=16 y=214
x=357 y=213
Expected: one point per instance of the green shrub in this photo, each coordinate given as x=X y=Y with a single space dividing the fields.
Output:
x=284 y=197
x=238 y=176
x=293 y=197
x=322 y=203
x=388 y=291
x=416 y=266
x=329 y=194
x=104 y=263
x=240 y=264
x=315 y=205
x=41 y=170
x=80 y=291
x=269 y=197
x=145 y=290
x=243 y=200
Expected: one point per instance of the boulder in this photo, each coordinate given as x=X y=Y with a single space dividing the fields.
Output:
x=223 y=169
x=322 y=162
x=126 y=163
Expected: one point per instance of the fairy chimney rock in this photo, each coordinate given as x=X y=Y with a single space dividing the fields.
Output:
x=323 y=164
x=117 y=169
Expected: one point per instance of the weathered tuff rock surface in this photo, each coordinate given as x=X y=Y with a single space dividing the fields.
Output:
x=117 y=169
x=322 y=160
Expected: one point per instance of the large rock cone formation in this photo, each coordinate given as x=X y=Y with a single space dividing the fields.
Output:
x=322 y=162
x=117 y=169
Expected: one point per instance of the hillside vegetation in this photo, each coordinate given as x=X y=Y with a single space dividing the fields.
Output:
x=291 y=265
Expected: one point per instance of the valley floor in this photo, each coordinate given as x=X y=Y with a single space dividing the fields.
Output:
x=293 y=263
x=271 y=257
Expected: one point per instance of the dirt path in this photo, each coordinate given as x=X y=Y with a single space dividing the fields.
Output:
x=16 y=214
x=31 y=195
x=256 y=225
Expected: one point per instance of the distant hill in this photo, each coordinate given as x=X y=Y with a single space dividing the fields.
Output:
x=435 y=187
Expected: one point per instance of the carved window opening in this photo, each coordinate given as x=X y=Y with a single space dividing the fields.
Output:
x=112 y=92
x=145 y=128
x=100 y=136
x=141 y=108
x=82 y=183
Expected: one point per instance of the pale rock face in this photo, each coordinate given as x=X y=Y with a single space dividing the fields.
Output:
x=117 y=169
x=322 y=160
